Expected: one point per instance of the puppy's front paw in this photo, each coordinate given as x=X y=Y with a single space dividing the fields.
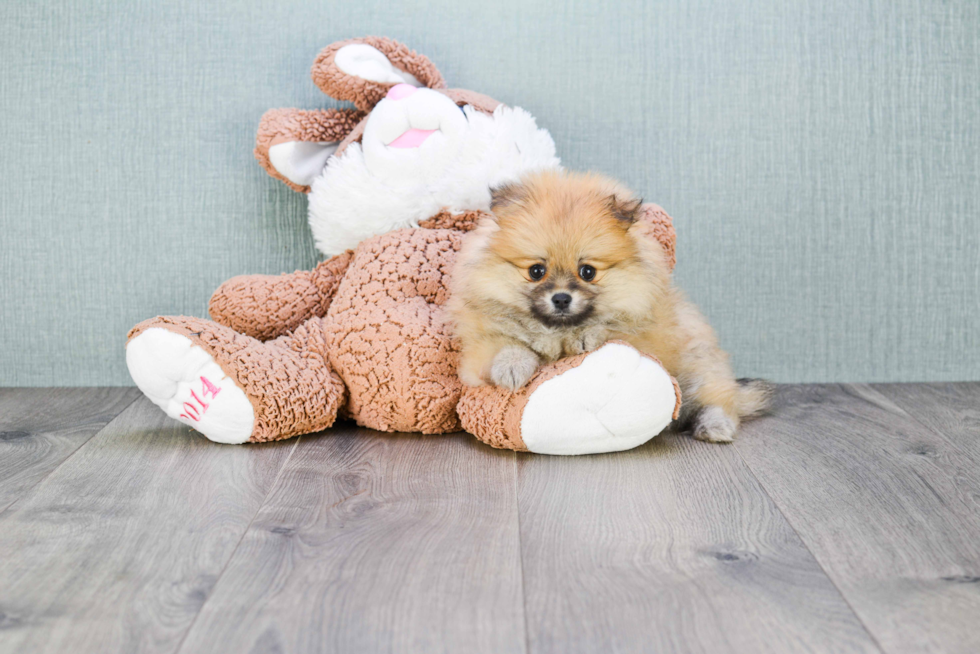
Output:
x=588 y=340
x=513 y=366
x=714 y=426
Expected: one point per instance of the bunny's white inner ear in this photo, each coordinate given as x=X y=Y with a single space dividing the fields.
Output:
x=367 y=62
x=301 y=161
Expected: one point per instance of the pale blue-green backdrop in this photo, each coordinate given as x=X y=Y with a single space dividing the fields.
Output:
x=820 y=159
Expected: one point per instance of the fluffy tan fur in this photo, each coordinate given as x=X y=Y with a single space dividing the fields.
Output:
x=563 y=267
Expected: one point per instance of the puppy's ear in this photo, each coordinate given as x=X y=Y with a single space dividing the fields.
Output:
x=624 y=209
x=507 y=195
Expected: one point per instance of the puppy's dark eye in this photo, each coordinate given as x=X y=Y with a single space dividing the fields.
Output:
x=537 y=271
x=586 y=272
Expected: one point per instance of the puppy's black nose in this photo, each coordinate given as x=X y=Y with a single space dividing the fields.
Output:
x=561 y=301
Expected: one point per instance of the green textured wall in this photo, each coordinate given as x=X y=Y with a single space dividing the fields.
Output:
x=820 y=160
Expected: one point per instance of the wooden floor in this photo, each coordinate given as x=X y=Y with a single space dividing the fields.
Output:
x=848 y=521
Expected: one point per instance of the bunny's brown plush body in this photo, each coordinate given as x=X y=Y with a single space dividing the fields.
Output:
x=394 y=185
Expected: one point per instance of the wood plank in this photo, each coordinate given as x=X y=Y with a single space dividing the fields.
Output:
x=41 y=427
x=888 y=507
x=118 y=548
x=672 y=547
x=952 y=409
x=376 y=543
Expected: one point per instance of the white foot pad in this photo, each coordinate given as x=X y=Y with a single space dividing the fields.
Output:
x=616 y=399
x=184 y=381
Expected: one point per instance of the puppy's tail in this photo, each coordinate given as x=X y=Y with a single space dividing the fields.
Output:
x=754 y=397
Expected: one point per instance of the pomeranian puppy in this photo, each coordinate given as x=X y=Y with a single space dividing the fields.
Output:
x=564 y=266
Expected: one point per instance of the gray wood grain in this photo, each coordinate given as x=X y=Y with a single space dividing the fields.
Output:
x=376 y=543
x=889 y=508
x=117 y=549
x=41 y=427
x=952 y=409
x=846 y=521
x=672 y=547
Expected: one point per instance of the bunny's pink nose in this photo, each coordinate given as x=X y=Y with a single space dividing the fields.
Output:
x=399 y=91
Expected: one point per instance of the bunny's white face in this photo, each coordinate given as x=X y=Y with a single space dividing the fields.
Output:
x=412 y=134
x=411 y=166
x=420 y=154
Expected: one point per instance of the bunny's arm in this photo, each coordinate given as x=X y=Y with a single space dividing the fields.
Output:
x=661 y=227
x=463 y=221
x=268 y=306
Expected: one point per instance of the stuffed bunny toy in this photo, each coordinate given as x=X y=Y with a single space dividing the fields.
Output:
x=394 y=184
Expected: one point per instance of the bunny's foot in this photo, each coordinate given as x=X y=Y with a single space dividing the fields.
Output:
x=184 y=380
x=614 y=398
x=230 y=387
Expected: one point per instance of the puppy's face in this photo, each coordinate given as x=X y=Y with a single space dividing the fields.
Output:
x=561 y=250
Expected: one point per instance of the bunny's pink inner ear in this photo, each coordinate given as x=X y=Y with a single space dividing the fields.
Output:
x=362 y=70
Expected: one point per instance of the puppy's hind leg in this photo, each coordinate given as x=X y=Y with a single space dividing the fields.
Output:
x=718 y=420
x=710 y=393
x=714 y=425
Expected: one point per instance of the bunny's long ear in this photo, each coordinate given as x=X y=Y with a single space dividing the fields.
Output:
x=362 y=70
x=293 y=145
